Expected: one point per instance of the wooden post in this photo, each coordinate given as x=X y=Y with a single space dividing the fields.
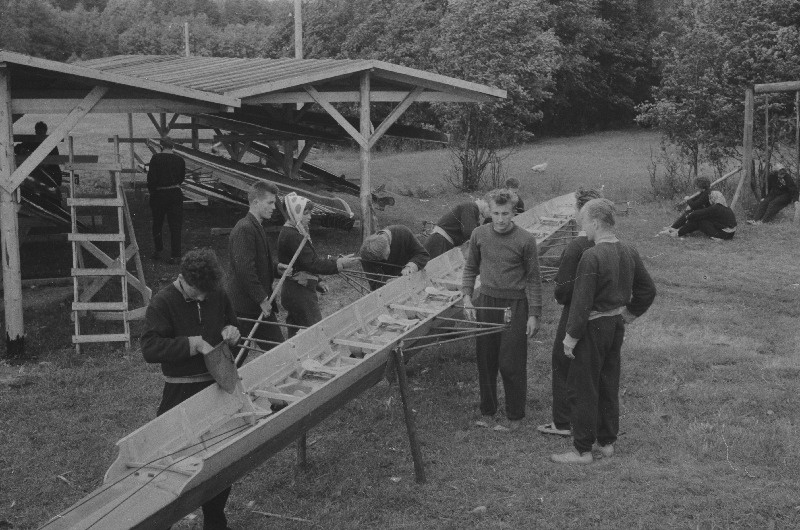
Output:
x=747 y=155
x=12 y=274
x=298 y=29
x=797 y=150
x=301 y=450
x=408 y=412
x=366 y=184
x=762 y=177
x=186 y=38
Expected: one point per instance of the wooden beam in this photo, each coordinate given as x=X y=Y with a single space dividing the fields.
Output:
x=54 y=138
x=301 y=157
x=394 y=115
x=12 y=274
x=769 y=88
x=747 y=151
x=379 y=96
x=365 y=124
x=336 y=115
x=110 y=106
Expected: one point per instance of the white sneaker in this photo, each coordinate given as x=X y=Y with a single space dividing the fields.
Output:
x=603 y=451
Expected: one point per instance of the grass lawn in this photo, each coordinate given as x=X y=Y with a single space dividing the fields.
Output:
x=709 y=388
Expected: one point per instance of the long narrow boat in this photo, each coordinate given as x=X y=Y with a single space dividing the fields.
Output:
x=553 y=224
x=173 y=464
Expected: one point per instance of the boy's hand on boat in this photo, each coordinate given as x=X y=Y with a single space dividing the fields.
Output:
x=532 y=328
x=284 y=269
x=410 y=268
x=266 y=307
x=231 y=335
x=199 y=346
x=469 y=309
x=347 y=262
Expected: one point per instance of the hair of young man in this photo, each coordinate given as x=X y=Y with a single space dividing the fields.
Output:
x=512 y=183
x=201 y=269
x=40 y=127
x=501 y=197
x=600 y=210
x=702 y=183
x=584 y=195
x=374 y=248
x=259 y=190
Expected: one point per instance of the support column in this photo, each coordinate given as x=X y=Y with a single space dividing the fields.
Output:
x=747 y=155
x=12 y=275
x=366 y=184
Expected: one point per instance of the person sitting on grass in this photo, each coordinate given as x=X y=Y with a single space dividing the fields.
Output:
x=454 y=228
x=612 y=288
x=391 y=252
x=695 y=202
x=781 y=190
x=565 y=280
x=182 y=324
x=717 y=221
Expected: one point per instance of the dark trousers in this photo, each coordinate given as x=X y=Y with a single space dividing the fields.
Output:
x=707 y=227
x=437 y=244
x=561 y=364
x=301 y=304
x=174 y=394
x=167 y=204
x=269 y=332
x=506 y=353
x=770 y=205
x=594 y=383
x=680 y=221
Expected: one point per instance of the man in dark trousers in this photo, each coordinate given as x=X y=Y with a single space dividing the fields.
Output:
x=781 y=191
x=182 y=324
x=254 y=265
x=612 y=288
x=454 y=228
x=391 y=252
x=165 y=174
x=506 y=258
x=717 y=221
x=47 y=175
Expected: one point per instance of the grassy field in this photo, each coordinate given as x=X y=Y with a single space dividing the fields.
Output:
x=709 y=390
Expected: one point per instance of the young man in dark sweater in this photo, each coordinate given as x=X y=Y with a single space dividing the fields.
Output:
x=391 y=252
x=454 y=228
x=565 y=281
x=505 y=256
x=612 y=287
x=717 y=221
x=183 y=322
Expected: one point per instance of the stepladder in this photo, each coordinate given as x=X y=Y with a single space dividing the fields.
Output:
x=102 y=258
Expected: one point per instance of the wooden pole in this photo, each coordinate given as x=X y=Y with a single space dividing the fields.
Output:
x=768 y=149
x=12 y=274
x=298 y=29
x=797 y=150
x=186 y=38
x=747 y=155
x=366 y=184
x=408 y=413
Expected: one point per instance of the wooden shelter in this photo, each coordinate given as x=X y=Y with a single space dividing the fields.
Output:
x=191 y=85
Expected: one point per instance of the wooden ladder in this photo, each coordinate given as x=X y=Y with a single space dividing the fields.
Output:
x=88 y=281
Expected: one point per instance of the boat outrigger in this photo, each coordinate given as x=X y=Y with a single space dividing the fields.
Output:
x=170 y=466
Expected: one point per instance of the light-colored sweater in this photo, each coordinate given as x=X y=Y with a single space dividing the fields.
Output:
x=508 y=264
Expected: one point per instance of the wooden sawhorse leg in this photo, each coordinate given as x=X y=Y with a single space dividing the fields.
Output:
x=416 y=453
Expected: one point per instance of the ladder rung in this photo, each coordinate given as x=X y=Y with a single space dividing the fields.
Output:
x=97 y=201
x=78 y=166
x=96 y=237
x=107 y=271
x=108 y=337
x=99 y=306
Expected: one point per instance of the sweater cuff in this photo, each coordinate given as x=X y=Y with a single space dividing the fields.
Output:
x=534 y=310
x=570 y=342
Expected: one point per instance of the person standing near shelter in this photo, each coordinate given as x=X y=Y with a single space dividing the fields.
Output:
x=391 y=252
x=781 y=191
x=454 y=228
x=165 y=173
x=183 y=323
x=506 y=258
x=48 y=175
x=299 y=291
x=254 y=265
x=612 y=287
x=565 y=280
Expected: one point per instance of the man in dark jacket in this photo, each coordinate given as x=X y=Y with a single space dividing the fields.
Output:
x=182 y=323
x=717 y=221
x=391 y=252
x=781 y=191
x=165 y=173
x=254 y=265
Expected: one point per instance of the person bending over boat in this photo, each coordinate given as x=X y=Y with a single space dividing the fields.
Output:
x=612 y=288
x=254 y=265
x=182 y=323
x=565 y=280
x=781 y=190
x=454 y=228
x=391 y=252
x=717 y=221
x=299 y=291
x=506 y=258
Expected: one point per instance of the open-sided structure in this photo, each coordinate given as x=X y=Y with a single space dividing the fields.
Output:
x=193 y=85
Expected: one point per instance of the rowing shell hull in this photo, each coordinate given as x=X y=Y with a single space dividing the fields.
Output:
x=209 y=437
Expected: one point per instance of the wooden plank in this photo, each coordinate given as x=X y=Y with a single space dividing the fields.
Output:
x=365 y=158
x=96 y=237
x=419 y=309
x=97 y=201
x=103 y=271
x=53 y=139
x=99 y=306
x=394 y=115
x=378 y=96
x=357 y=136
x=59 y=159
x=784 y=86
x=106 y=337
x=358 y=344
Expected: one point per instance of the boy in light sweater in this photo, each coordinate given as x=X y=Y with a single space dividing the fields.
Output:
x=505 y=256
x=612 y=288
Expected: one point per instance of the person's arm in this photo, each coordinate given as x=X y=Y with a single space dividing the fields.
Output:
x=565 y=277
x=181 y=169
x=471 y=269
x=419 y=256
x=159 y=343
x=643 y=290
x=533 y=288
x=470 y=217
x=308 y=260
x=582 y=298
x=699 y=201
x=704 y=213
x=243 y=263
x=793 y=190
x=152 y=173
